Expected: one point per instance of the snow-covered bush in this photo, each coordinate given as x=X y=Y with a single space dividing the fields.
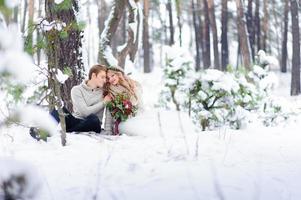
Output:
x=223 y=98
x=266 y=61
x=214 y=98
x=178 y=66
x=18 y=180
x=276 y=110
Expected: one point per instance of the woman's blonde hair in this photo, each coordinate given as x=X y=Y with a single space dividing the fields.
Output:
x=128 y=83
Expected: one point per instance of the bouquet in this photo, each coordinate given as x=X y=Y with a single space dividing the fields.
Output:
x=121 y=109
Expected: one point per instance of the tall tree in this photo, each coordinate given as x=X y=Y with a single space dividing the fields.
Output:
x=131 y=46
x=200 y=14
x=146 y=45
x=214 y=33
x=257 y=29
x=64 y=46
x=206 y=38
x=30 y=29
x=39 y=34
x=224 y=36
x=196 y=26
x=171 y=26
x=295 y=82
x=178 y=9
x=105 y=51
x=284 y=38
x=265 y=25
x=102 y=13
x=250 y=26
x=24 y=16
x=243 y=37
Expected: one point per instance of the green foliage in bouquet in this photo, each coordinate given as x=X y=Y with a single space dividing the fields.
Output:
x=121 y=108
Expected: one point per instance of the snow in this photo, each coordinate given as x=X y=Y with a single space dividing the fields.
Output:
x=13 y=59
x=61 y=77
x=166 y=157
x=10 y=169
x=58 y=1
x=12 y=3
x=34 y=116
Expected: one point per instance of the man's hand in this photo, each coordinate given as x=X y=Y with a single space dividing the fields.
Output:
x=107 y=98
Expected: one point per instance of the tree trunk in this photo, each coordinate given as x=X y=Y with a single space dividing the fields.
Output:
x=200 y=30
x=171 y=27
x=284 y=39
x=250 y=27
x=16 y=12
x=105 y=51
x=102 y=13
x=24 y=16
x=131 y=46
x=265 y=25
x=295 y=83
x=257 y=31
x=206 y=39
x=214 y=34
x=30 y=29
x=64 y=51
x=111 y=25
x=243 y=37
x=146 y=46
x=178 y=9
x=224 y=36
x=197 y=37
x=39 y=35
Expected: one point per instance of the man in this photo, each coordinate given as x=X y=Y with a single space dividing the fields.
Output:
x=88 y=104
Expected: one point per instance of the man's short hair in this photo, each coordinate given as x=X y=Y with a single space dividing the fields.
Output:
x=96 y=69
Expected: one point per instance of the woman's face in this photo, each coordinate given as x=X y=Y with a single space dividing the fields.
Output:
x=112 y=77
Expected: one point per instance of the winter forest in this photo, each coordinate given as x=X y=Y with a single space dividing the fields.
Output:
x=150 y=99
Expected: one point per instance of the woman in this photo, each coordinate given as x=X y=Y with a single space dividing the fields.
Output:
x=146 y=122
x=119 y=83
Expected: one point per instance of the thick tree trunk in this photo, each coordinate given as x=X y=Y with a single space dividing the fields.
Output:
x=206 y=38
x=224 y=36
x=284 y=38
x=243 y=37
x=64 y=52
x=171 y=27
x=295 y=83
x=214 y=34
x=146 y=46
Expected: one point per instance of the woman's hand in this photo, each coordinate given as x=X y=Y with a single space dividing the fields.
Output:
x=107 y=98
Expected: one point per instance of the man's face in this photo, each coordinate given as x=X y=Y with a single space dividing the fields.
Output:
x=100 y=79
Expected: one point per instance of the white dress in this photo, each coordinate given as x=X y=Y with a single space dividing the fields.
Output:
x=154 y=122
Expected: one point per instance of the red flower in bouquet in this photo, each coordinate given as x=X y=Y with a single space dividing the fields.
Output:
x=121 y=109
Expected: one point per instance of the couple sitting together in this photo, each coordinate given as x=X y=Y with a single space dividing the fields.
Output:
x=91 y=97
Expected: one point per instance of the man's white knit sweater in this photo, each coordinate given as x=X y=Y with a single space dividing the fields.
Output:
x=87 y=101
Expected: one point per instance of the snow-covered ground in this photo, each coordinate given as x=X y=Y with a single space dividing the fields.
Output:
x=171 y=160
